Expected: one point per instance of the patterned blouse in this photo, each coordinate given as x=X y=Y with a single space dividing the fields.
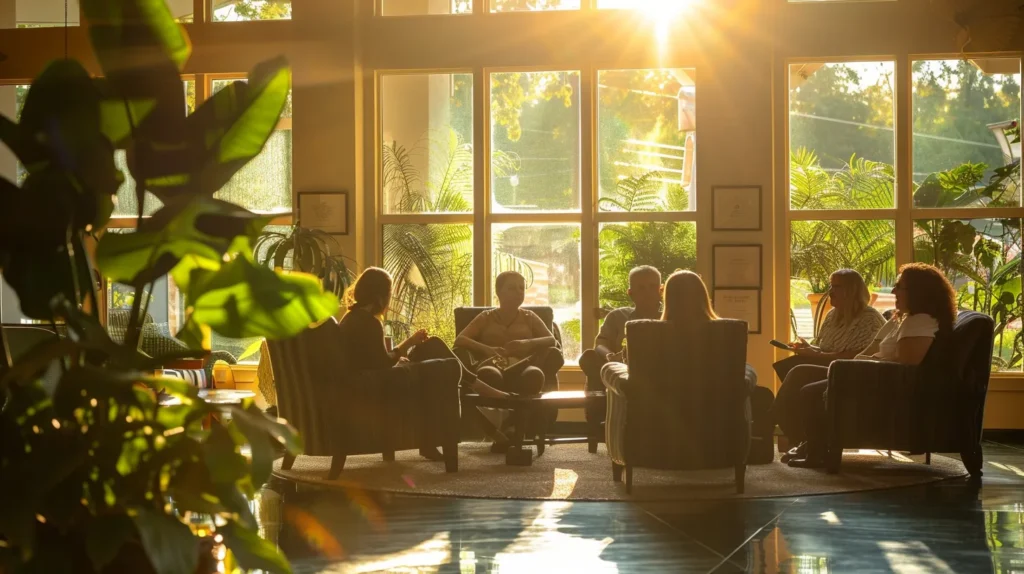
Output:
x=857 y=335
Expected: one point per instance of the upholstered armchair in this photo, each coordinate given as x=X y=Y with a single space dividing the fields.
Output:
x=681 y=405
x=464 y=315
x=936 y=406
x=341 y=413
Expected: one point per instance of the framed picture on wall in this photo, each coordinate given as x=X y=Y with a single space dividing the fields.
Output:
x=736 y=208
x=742 y=304
x=736 y=266
x=326 y=211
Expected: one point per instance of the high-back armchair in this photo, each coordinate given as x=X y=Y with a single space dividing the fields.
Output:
x=339 y=412
x=937 y=406
x=465 y=315
x=680 y=404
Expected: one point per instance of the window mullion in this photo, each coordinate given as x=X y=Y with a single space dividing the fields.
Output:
x=904 y=164
x=481 y=182
x=589 y=252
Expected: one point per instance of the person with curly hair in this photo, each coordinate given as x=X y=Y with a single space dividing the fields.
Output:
x=925 y=309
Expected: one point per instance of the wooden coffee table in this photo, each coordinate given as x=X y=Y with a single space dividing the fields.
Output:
x=534 y=412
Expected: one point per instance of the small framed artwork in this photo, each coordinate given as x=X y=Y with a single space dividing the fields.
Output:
x=736 y=208
x=742 y=304
x=736 y=266
x=326 y=211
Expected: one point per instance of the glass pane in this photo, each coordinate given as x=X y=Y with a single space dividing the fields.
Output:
x=127 y=203
x=533 y=5
x=242 y=10
x=427 y=128
x=426 y=7
x=40 y=14
x=265 y=183
x=818 y=248
x=548 y=256
x=647 y=139
x=535 y=138
x=432 y=269
x=966 y=136
x=841 y=135
x=182 y=10
x=12 y=99
x=218 y=85
x=666 y=246
x=654 y=8
x=982 y=258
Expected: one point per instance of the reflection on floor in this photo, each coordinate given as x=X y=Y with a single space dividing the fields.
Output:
x=950 y=526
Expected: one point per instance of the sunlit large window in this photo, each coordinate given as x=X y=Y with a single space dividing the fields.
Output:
x=243 y=10
x=265 y=184
x=982 y=258
x=966 y=138
x=40 y=14
x=532 y=5
x=427 y=134
x=425 y=7
x=965 y=142
x=535 y=141
x=647 y=140
x=842 y=142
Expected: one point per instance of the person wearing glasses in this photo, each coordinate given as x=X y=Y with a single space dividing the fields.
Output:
x=847 y=330
x=925 y=309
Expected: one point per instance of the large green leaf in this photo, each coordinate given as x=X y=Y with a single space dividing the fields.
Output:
x=135 y=33
x=200 y=227
x=231 y=128
x=42 y=274
x=251 y=550
x=170 y=545
x=105 y=537
x=243 y=299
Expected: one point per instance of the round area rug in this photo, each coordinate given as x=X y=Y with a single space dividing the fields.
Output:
x=568 y=471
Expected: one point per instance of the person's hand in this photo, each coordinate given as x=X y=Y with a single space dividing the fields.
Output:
x=418 y=337
x=402 y=360
x=614 y=357
x=517 y=348
x=489 y=352
x=800 y=343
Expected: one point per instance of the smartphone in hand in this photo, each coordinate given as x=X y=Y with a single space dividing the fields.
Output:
x=780 y=344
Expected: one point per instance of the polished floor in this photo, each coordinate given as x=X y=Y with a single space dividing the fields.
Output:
x=951 y=526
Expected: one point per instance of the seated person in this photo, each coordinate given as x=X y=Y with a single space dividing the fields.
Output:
x=688 y=306
x=516 y=351
x=645 y=291
x=847 y=330
x=925 y=308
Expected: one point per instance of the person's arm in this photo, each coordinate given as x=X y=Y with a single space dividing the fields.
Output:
x=541 y=338
x=911 y=350
x=416 y=338
x=467 y=338
x=607 y=342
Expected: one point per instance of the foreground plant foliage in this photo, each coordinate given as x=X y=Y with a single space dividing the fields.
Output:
x=95 y=476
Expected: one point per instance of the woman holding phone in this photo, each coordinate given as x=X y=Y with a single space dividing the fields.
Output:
x=848 y=329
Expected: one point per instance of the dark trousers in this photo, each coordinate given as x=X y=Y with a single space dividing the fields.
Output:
x=540 y=368
x=812 y=401
x=434 y=348
x=590 y=363
x=788 y=410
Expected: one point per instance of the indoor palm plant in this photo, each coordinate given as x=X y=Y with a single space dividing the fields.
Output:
x=95 y=475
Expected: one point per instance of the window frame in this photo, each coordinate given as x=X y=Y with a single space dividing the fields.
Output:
x=904 y=214
x=483 y=217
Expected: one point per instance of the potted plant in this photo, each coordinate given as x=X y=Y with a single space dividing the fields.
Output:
x=306 y=250
x=97 y=475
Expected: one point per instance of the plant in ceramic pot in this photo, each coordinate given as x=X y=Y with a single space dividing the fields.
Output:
x=96 y=474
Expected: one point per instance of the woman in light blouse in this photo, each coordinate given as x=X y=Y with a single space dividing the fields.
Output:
x=848 y=329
